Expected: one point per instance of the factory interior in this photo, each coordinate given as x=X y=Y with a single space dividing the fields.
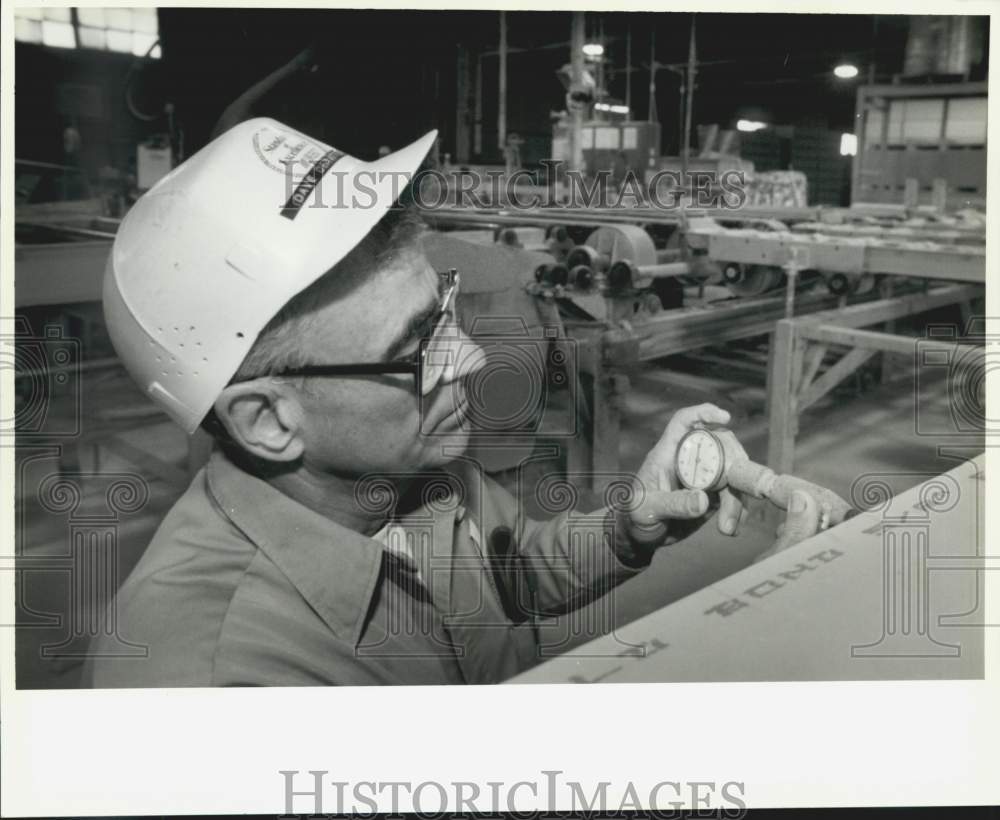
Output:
x=840 y=222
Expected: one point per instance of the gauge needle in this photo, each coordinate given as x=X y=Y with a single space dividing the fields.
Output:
x=697 y=460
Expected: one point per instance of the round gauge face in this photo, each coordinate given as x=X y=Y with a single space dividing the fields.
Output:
x=700 y=460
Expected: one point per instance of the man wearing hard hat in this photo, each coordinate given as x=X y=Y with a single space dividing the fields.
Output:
x=254 y=293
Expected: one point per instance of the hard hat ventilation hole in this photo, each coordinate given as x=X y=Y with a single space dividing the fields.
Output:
x=239 y=334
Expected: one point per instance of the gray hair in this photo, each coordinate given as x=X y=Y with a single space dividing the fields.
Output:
x=279 y=345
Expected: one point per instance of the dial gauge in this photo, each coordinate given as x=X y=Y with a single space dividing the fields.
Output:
x=700 y=460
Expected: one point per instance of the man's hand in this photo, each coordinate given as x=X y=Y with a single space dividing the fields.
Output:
x=809 y=511
x=658 y=494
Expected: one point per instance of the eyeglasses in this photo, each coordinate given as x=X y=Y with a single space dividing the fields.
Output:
x=426 y=367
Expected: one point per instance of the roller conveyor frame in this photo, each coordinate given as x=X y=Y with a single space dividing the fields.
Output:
x=609 y=345
x=856 y=255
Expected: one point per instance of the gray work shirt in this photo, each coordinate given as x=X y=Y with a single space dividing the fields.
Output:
x=241 y=585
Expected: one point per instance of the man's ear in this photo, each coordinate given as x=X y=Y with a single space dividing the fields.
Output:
x=263 y=417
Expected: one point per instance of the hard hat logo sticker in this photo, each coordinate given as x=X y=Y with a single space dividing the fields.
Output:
x=281 y=151
x=309 y=182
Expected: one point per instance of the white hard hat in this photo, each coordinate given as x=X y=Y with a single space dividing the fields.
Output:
x=205 y=259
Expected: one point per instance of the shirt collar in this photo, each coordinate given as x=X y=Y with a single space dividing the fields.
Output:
x=334 y=568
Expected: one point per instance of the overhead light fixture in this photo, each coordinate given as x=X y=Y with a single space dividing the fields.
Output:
x=593 y=50
x=614 y=109
x=750 y=125
x=846 y=71
x=848 y=145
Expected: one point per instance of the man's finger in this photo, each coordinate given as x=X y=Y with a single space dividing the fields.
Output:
x=801 y=522
x=836 y=508
x=676 y=504
x=730 y=510
x=687 y=417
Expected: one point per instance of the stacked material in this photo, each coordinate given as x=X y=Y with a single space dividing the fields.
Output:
x=777 y=189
